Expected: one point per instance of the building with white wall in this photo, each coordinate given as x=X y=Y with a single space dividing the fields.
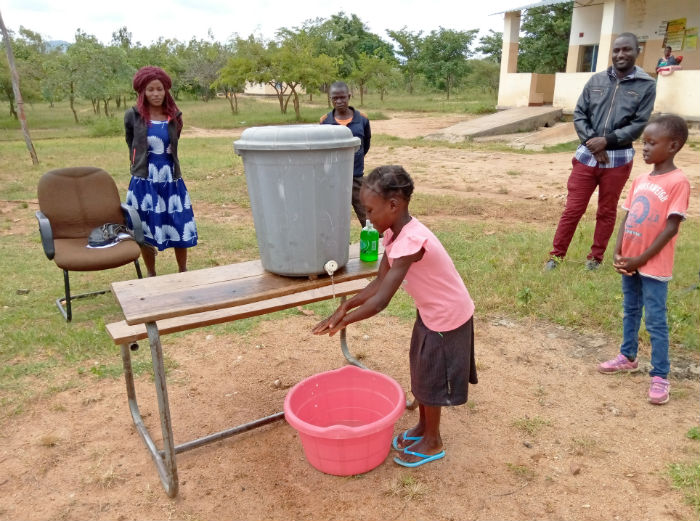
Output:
x=594 y=26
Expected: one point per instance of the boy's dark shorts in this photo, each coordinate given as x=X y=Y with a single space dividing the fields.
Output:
x=442 y=364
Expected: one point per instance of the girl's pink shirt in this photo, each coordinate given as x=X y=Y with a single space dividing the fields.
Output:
x=434 y=283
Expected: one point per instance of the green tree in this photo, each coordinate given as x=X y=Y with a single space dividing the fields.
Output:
x=266 y=65
x=233 y=77
x=92 y=69
x=374 y=71
x=346 y=38
x=29 y=51
x=409 y=53
x=61 y=77
x=491 y=46
x=362 y=73
x=202 y=60
x=444 y=56
x=299 y=65
x=484 y=75
x=545 y=43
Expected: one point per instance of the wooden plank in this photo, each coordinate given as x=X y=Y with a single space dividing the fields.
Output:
x=123 y=333
x=150 y=300
x=132 y=289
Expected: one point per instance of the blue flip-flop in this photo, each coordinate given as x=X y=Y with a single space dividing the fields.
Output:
x=395 y=442
x=425 y=458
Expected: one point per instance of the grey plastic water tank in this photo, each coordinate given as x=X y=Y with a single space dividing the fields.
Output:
x=299 y=183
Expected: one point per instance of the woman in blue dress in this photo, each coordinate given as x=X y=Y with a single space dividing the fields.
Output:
x=157 y=190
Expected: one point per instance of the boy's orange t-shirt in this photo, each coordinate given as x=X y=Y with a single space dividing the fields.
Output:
x=651 y=200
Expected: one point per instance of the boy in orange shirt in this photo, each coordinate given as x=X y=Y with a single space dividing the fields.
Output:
x=655 y=206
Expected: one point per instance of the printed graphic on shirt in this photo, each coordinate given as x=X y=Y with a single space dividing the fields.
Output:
x=649 y=204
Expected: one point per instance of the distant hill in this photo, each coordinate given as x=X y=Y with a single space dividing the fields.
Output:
x=53 y=44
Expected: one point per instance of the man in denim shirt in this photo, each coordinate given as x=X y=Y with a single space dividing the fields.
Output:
x=611 y=113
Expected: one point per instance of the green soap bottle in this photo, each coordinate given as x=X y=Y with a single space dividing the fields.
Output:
x=369 y=243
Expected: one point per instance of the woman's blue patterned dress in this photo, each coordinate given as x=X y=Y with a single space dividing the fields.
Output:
x=161 y=201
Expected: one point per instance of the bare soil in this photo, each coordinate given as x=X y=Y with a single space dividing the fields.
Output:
x=544 y=436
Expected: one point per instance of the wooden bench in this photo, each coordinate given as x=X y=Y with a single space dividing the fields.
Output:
x=167 y=304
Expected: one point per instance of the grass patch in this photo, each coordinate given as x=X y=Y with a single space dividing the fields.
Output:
x=531 y=426
x=686 y=478
x=521 y=471
x=582 y=446
x=570 y=146
x=408 y=487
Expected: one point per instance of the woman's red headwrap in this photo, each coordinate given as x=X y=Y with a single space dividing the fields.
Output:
x=143 y=77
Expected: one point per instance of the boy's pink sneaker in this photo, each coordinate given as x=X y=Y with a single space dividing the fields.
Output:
x=659 y=390
x=619 y=364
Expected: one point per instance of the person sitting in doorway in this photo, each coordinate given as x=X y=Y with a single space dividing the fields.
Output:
x=667 y=59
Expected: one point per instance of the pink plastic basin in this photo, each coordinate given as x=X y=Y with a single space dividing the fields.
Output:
x=345 y=418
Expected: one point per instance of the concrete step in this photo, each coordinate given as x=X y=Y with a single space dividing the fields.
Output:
x=562 y=132
x=519 y=119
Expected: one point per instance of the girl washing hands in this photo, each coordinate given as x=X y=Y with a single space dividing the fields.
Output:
x=441 y=353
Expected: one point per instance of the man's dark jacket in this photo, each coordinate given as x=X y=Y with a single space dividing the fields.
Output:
x=615 y=109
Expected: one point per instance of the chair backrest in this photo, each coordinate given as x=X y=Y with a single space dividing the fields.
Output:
x=78 y=199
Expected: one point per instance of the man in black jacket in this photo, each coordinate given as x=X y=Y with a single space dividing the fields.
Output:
x=358 y=123
x=611 y=113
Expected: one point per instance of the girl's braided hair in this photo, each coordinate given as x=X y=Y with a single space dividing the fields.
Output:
x=389 y=181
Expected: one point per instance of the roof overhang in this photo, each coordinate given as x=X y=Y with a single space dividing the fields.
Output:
x=544 y=3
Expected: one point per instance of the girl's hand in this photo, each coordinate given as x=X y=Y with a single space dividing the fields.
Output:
x=330 y=325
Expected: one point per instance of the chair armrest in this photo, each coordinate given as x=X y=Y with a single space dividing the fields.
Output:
x=137 y=225
x=46 y=235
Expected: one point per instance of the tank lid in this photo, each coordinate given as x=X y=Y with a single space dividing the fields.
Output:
x=296 y=137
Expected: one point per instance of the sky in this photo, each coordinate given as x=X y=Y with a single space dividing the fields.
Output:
x=148 y=20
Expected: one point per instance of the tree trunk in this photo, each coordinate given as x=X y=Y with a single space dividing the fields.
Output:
x=280 y=95
x=231 y=96
x=362 y=94
x=17 y=92
x=286 y=102
x=71 y=98
x=105 y=101
x=295 y=102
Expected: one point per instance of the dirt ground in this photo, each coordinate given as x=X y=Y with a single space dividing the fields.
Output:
x=544 y=436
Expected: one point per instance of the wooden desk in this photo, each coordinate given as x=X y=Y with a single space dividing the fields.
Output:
x=193 y=299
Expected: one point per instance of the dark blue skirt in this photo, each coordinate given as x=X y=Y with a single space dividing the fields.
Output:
x=165 y=210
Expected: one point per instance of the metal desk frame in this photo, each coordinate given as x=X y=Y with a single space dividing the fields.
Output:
x=165 y=458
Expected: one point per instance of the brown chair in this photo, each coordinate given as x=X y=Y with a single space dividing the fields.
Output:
x=72 y=202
